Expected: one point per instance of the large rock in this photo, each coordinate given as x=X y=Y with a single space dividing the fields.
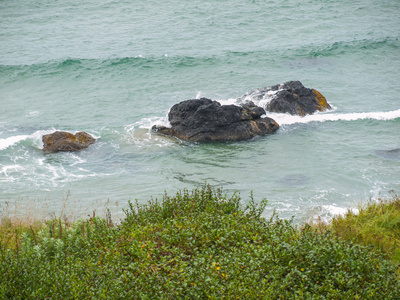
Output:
x=290 y=97
x=65 y=141
x=207 y=120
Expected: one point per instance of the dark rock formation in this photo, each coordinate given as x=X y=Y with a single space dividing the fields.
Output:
x=65 y=141
x=290 y=97
x=207 y=120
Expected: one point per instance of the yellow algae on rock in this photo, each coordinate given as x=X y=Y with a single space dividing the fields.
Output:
x=322 y=103
x=66 y=141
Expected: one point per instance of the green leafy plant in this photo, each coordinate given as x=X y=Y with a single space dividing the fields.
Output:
x=199 y=244
x=376 y=224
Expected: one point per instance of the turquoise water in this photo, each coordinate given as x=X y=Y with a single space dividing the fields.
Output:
x=114 y=68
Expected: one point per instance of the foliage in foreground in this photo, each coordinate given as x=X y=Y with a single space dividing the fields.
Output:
x=376 y=224
x=196 y=245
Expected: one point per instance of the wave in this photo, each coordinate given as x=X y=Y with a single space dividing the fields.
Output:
x=77 y=64
x=314 y=50
x=12 y=140
x=175 y=61
x=286 y=119
x=342 y=47
x=36 y=137
x=262 y=98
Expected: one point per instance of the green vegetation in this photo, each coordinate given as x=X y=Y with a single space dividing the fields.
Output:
x=199 y=244
x=376 y=224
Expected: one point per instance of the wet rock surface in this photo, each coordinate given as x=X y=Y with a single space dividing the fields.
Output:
x=66 y=141
x=207 y=120
x=290 y=97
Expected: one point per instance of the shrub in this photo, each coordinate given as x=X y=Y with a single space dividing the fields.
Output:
x=196 y=245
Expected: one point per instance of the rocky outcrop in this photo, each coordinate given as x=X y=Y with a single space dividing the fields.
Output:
x=65 y=141
x=207 y=120
x=290 y=97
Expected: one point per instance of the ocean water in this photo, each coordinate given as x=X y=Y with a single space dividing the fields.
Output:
x=114 y=68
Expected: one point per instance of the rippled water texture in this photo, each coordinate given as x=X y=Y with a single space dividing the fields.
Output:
x=114 y=68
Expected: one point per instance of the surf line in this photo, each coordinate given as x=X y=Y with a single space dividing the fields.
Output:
x=5 y=143
x=286 y=119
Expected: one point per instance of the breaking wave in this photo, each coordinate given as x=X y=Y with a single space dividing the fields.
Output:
x=286 y=119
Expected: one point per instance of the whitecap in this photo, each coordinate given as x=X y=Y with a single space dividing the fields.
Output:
x=32 y=114
x=148 y=123
x=325 y=213
x=334 y=210
x=287 y=119
x=12 y=140
x=229 y=101
x=140 y=133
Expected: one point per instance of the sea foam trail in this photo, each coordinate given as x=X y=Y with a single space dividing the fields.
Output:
x=286 y=119
x=7 y=142
x=13 y=140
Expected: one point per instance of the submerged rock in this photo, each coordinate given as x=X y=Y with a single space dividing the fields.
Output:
x=393 y=154
x=294 y=179
x=207 y=120
x=290 y=97
x=65 y=141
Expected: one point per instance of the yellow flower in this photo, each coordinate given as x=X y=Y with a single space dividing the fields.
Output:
x=302 y=269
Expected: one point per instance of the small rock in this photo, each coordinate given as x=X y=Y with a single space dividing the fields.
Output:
x=65 y=141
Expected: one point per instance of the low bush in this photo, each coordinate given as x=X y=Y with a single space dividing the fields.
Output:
x=376 y=224
x=199 y=244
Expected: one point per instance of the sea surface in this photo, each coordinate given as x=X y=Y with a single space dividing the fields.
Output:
x=114 y=68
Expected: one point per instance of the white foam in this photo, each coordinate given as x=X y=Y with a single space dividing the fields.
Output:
x=13 y=168
x=286 y=119
x=259 y=98
x=76 y=159
x=40 y=161
x=34 y=113
x=141 y=135
x=148 y=123
x=36 y=137
x=12 y=140
x=334 y=210
x=229 y=101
